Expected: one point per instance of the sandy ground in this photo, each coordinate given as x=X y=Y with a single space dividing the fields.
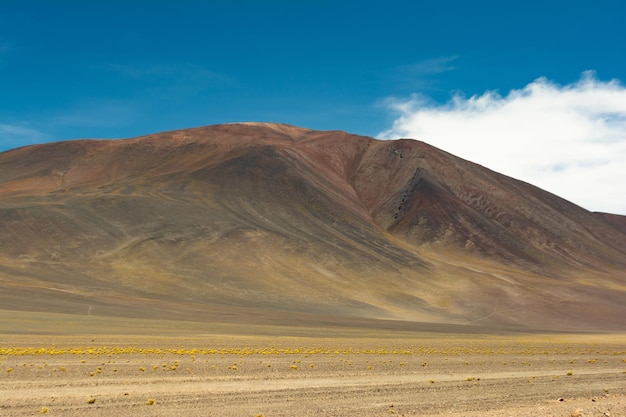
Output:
x=300 y=376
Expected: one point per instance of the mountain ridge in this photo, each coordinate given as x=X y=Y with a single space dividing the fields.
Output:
x=279 y=220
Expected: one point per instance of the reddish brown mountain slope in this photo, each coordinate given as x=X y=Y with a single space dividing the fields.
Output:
x=275 y=223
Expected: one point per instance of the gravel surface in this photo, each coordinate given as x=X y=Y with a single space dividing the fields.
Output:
x=311 y=377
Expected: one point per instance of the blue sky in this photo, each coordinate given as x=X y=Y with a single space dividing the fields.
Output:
x=115 y=69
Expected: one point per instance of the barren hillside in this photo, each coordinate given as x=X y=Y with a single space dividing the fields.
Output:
x=276 y=224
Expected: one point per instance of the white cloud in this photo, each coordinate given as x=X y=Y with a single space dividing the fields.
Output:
x=430 y=66
x=97 y=113
x=12 y=135
x=569 y=140
x=422 y=74
x=181 y=76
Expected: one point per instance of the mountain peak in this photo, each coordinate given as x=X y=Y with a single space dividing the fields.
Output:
x=278 y=127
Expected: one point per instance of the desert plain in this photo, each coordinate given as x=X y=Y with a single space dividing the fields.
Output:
x=63 y=365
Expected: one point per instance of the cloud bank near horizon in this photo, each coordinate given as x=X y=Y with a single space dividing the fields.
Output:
x=567 y=139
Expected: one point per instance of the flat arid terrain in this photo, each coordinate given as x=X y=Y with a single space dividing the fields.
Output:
x=232 y=370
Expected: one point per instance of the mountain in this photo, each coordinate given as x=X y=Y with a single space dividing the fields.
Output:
x=270 y=223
